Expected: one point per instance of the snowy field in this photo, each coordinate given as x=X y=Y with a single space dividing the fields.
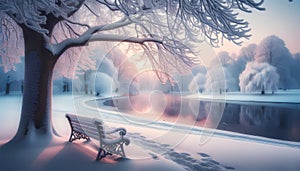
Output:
x=155 y=145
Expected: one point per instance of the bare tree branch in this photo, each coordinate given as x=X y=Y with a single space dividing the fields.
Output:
x=91 y=10
x=78 y=23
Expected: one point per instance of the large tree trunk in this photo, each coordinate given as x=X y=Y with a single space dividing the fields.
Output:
x=37 y=95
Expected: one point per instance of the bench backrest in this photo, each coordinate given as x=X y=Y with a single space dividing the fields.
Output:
x=99 y=125
x=85 y=125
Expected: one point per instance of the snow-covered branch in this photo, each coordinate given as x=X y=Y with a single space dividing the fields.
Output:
x=59 y=48
x=167 y=51
x=119 y=38
x=214 y=19
x=34 y=13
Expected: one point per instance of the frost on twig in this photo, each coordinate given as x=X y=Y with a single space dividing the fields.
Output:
x=33 y=13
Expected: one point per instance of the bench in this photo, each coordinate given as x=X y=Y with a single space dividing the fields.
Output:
x=87 y=128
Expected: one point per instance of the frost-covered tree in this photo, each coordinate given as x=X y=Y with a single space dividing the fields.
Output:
x=126 y=73
x=11 y=78
x=259 y=77
x=296 y=69
x=11 y=43
x=219 y=74
x=197 y=85
x=219 y=79
x=222 y=59
x=51 y=27
x=2 y=77
x=182 y=80
x=61 y=84
x=98 y=63
x=199 y=78
x=106 y=66
x=198 y=69
x=246 y=55
x=14 y=78
x=236 y=65
x=101 y=84
x=272 y=50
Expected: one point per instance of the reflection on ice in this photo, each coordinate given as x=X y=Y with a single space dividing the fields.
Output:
x=267 y=120
x=260 y=115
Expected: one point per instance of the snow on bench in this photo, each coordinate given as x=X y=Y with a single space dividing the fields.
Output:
x=87 y=128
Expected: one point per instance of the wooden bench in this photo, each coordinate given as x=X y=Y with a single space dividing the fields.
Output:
x=87 y=128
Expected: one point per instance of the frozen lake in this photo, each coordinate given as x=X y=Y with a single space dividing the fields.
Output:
x=266 y=119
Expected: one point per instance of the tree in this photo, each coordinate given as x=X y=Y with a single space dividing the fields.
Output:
x=246 y=55
x=220 y=74
x=126 y=74
x=296 y=70
x=259 y=77
x=14 y=77
x=198 y=83
x=61 y=84
x=272 y=50
x=51 y=27
x=101 y=84
x=2 y=77
x=219 y=79
x=86 y=70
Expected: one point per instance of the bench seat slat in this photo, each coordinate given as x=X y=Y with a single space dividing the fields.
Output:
x=78 y=118
x=84 y=122
x=84 y=127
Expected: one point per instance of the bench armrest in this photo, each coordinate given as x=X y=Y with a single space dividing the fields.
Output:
x=122 y=131
x=122 y=139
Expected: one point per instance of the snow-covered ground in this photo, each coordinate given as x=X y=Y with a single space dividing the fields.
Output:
x=288 y=96
x=155 y=145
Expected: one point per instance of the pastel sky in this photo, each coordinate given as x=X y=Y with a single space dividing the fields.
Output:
x=281 y=18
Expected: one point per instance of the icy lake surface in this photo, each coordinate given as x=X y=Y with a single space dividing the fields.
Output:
x=266 y=119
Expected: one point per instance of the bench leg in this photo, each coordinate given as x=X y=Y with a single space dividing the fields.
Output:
x=71 y=137
x=123 y=152
x=117 y=149
x=101 y=153
x=77 y=135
